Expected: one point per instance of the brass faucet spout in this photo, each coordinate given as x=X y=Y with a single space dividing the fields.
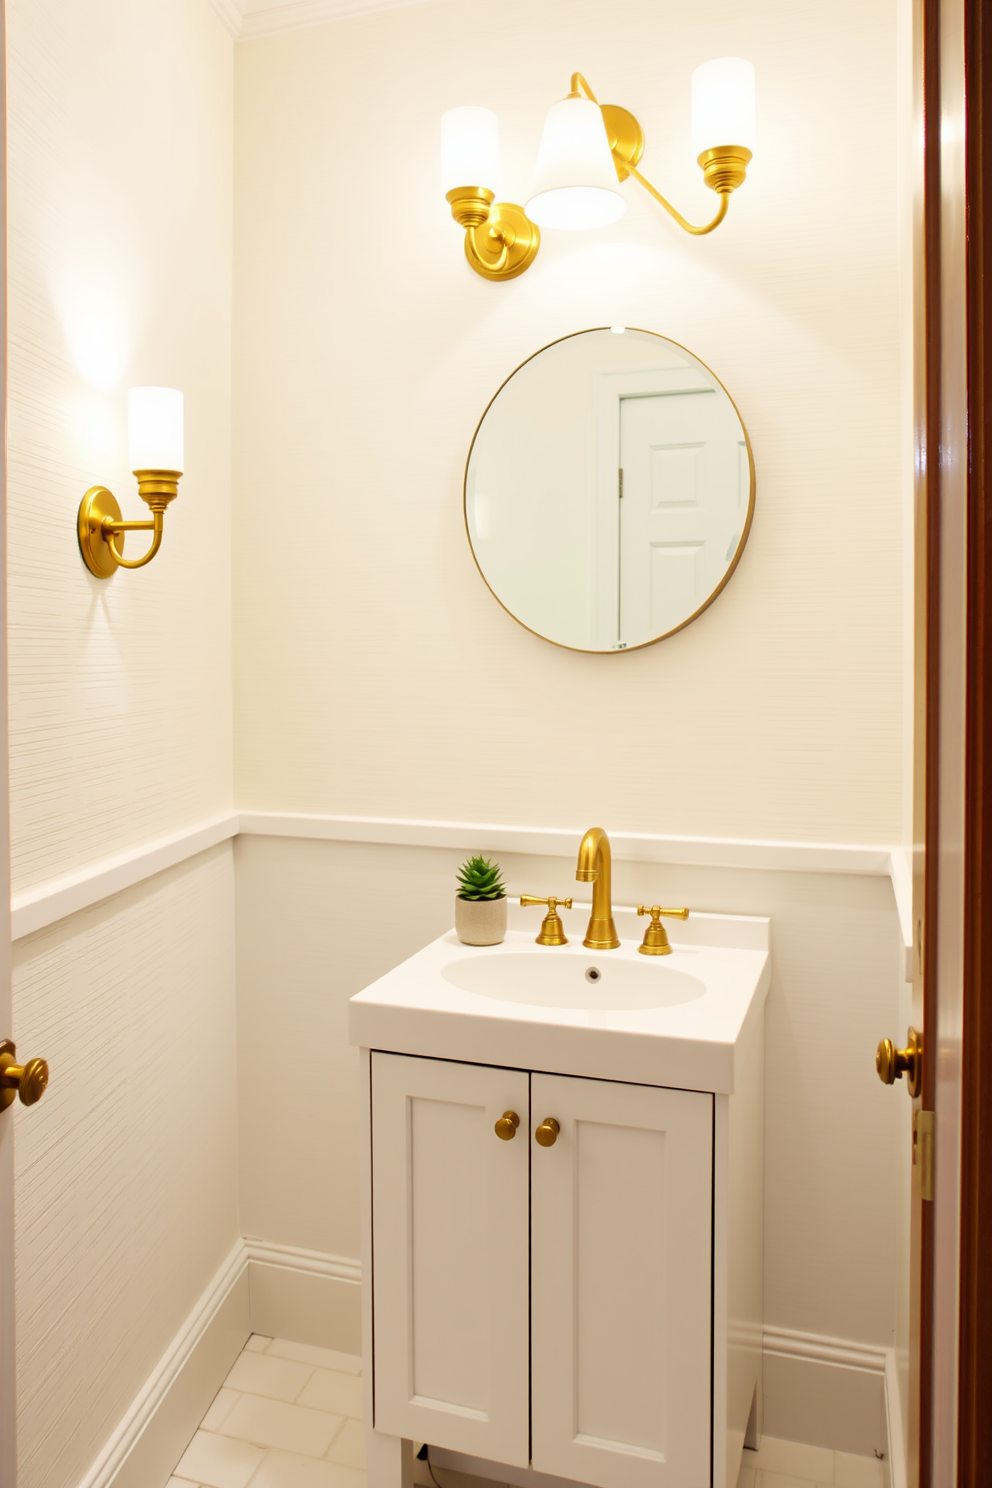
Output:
x=595 y=864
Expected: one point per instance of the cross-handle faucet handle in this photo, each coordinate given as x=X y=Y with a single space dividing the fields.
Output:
x=655 y=941
x=552 y=931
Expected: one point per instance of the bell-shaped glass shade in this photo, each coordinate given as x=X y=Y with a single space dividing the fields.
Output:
x=155 y=428
x=723 y=105
x=575 y=184
x=469 y=148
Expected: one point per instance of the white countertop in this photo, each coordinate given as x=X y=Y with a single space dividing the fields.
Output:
x=416 y=1009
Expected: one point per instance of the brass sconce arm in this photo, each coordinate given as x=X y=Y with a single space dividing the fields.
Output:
x=110 y=530
x=697 y=232
x=101 y=528
x=724 y=169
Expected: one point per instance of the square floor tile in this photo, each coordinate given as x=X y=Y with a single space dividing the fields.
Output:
x=320 y=1358
x=793 y=1459
x=286 y=1470
x=218 y=1462
x=219 y=1410
x=328 y=1390
x=348 y=1447
x=261 y=1374
x=274 y=1423
x=258 y=1343
x=857 y=1472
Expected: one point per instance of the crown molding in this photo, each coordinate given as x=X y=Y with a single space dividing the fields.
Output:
x=302 y=13
x=228 y=12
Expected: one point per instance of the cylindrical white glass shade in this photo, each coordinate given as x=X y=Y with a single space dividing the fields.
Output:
x=469 y=148
x=155 y=428
x=723 y=105
x=575 y=184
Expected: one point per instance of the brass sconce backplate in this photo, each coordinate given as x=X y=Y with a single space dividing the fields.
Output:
x=625 y=135
x=504 y=246
x=96 y=507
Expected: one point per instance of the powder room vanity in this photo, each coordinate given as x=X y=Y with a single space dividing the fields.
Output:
x=562 y=1181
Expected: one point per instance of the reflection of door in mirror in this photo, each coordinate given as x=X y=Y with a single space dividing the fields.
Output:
x=684 y=498
x=560 y=547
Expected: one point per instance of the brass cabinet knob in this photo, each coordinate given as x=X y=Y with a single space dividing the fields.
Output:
x=29 y=1081
x=892 y=1063
x=506 y=1126
x=547 y=1133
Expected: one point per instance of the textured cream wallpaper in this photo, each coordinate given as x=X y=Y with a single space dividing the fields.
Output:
x=374 y=673
x=120 y=248
x=127 y=1170
x=120 y=138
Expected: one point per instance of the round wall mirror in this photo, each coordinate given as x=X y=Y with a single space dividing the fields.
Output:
x=609 y=490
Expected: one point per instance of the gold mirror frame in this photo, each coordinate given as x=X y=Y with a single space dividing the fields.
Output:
x=745 y=532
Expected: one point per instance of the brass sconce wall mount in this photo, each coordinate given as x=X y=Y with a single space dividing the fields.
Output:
x=580 y=165
x=101 y=528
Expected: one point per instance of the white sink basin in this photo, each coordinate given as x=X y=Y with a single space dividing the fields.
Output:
x=673 y=1020
x=575 y=978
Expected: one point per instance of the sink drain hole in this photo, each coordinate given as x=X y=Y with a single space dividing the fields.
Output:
x=593 y=973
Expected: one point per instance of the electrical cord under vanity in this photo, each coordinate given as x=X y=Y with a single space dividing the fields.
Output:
x=424 y=1455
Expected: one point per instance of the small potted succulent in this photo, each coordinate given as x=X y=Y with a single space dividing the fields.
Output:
x=480 y=903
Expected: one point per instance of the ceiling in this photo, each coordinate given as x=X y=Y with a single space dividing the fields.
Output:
x=247 y=18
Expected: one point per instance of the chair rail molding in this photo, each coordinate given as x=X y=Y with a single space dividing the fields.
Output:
x=43 y=904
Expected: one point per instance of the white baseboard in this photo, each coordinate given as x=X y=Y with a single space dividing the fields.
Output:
x=305 y=1295
x=827 y=1392
x=162 y=1418
x=821 y=1391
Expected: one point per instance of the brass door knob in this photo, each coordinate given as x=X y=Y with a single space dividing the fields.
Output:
x=29 y=1081
x=506 y=1126
x=547 y=1133
x=892 y=1063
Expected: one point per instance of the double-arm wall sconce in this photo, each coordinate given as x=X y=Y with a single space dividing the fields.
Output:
x=587 y=149
x=155 y=449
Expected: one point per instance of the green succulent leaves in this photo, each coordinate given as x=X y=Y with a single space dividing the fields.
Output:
x=480 y=878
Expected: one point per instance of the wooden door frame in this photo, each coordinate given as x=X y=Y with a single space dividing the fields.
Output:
x=975 y=1310
x=955 y=1426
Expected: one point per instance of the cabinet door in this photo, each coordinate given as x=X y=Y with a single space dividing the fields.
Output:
x=450 y=1255
x=621 y=1272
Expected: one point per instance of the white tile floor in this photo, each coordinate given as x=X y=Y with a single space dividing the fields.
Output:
x=290 y=1416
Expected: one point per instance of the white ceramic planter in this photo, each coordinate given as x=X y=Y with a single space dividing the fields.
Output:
x=480 y=921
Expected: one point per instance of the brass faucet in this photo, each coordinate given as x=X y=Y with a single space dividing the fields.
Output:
x=594 y=866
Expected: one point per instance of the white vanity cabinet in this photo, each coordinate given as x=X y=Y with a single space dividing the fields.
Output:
x=545 y=1307
x=586 y=1311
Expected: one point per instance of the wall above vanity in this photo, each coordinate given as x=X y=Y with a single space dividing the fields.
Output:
x=360 y=377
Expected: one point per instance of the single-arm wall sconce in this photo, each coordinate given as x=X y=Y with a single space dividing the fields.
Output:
x=587 y=149
x=155 y=449
x=500 y=240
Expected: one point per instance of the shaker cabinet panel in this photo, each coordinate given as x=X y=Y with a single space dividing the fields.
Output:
x=621 y=1238
x=450 y=1255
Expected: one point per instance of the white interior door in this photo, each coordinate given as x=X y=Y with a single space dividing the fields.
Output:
x=450 y=1256
x=621 y=1283
x=686 y=490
